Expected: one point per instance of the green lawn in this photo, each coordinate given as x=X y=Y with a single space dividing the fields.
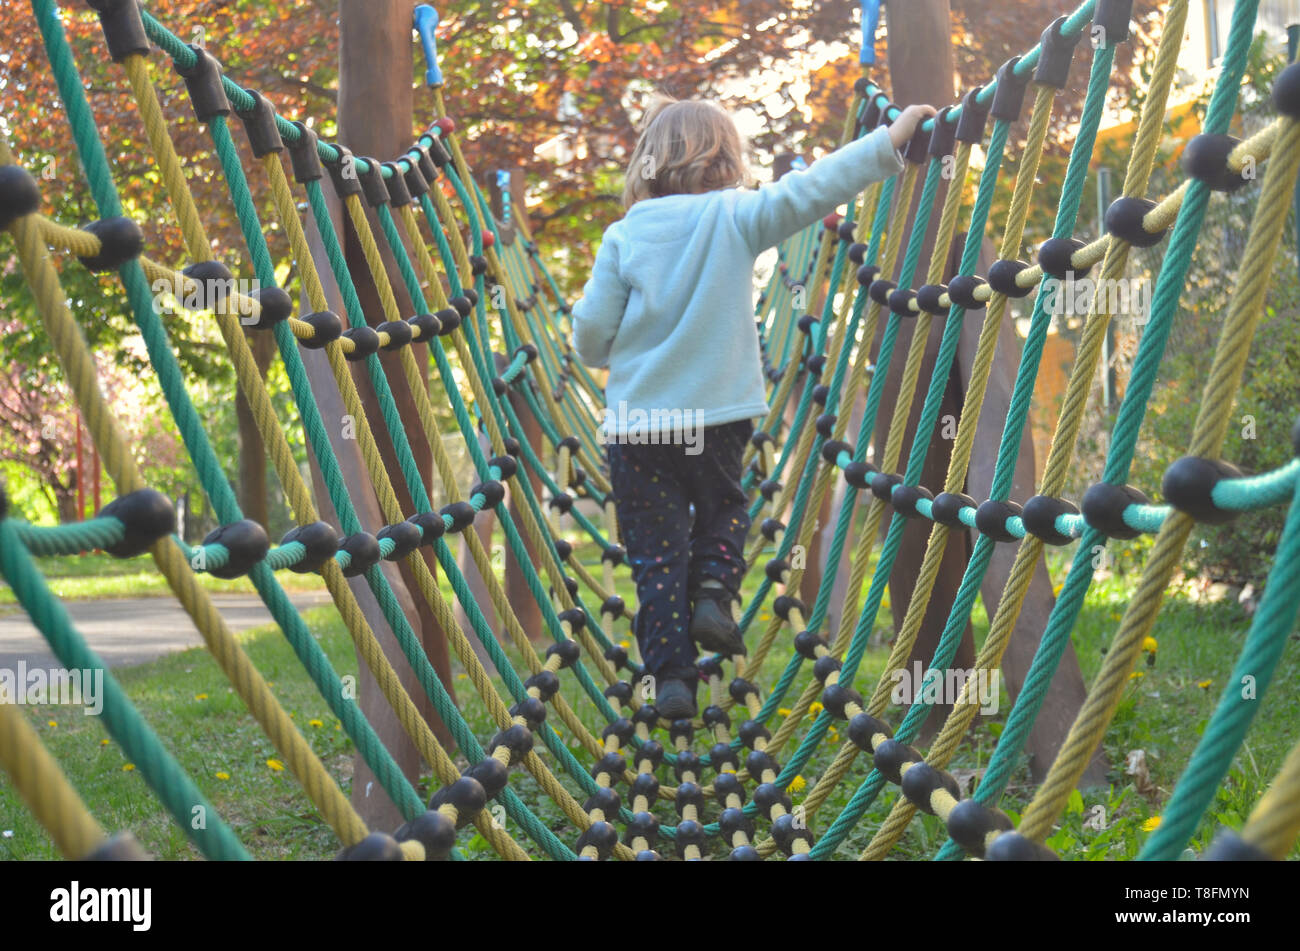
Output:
x=189 y=703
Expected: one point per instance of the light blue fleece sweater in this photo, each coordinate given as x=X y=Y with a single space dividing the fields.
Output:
x=669 y=307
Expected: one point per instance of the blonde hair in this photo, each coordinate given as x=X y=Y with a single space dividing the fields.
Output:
x=686 y=147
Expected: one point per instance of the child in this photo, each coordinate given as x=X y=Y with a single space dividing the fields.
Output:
x=669 y=309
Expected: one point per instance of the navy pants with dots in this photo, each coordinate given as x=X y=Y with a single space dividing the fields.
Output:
x=683 y=518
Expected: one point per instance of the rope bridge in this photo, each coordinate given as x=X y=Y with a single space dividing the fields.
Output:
x=635 y=786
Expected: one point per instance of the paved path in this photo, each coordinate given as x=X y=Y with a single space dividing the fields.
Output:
x=134 y=630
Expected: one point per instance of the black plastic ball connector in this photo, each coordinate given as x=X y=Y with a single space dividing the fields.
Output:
x=428 y=170
x=365 y=342
x=837 y=698
x=922 y=780
x=1002 y=278
x=462 y=516
x=1205 y=158
x=259 y=125
x=247 y=543
x=518 y=739
x=831 y=450
x=493 y=493
x=815 y=364
x=466 y=794
x=1103 y=508
x=786 y=603
x=413 y=178
x=820 y=394
x=928 y=299
x=901 y=302
x=864 y=728
x=372 y=183
x=1040 y=515
x=944 y=135
x=121 y=847
x=430 y=524
x=858 y=474
x=905 y=498
x=918 y=147
x=890 y=756
x=768 y=488
x=546 y=684
x=146 y=516
x=870 y=117
x=1009 y=94
x=363 y=548
x=491 y=774
x=1055 y=53
x=961 y=291
x=273 y=306
x=303 y=156
x=867 y=275
x=1113 y=17
x=213 y=281
x=438 y=153
x=844 y=230
x=320 y=541
x=19 y=194
x=991 y=519
x=448 y=320
x=857 y=253
x=203 y=80
x=806 y=323
x=326 y=327
x=1230 y=847
x=528 y=350
x=376 y=847
x=1014 y=847
x=946 y=508
x=406 y=539
x=970 y=823
x=395 y=186
x=807 y=643
x=879 y=291
x=825 y=425
x=123 y=27
x=1054 y=258
x=532 y=710
x=973 y=118
x=1124 y=221
x=432 y=830
x=120 y=240
x=882 y=485
x=399 y=332
x=343 y=172
x=1286 y=92
x=1189 y=484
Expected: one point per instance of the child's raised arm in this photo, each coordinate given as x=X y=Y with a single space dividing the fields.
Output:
x=798 y=199
x=598 y=313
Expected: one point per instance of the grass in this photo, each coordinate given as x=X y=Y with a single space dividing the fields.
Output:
x=96 y=576
x=198 y=717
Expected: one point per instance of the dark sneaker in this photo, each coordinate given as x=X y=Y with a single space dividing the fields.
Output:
x=675 y=700
x=712 y=626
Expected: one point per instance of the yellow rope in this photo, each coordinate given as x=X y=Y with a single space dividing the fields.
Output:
x=44 y=788
x=1208 y=434
x=1275 y=820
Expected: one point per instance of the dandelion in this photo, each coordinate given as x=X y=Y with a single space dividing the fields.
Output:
x=1204 y=684
x=222 y=774
x=316 y=723
x=783 y=711
x=833 y=734
x=625 y=644
x=815 y=709
x=52 y=722
x=1151 y=824
x=275 y=765
x=128 y=768
x=797 y=784
x=1149 y=644
x=200 y=696
x=1136 y=675
x=103 y=742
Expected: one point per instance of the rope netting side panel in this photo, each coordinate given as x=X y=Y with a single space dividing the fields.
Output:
x=565 y=721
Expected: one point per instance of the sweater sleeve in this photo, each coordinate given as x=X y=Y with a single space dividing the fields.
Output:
x=597 y=315
x=774 y=212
